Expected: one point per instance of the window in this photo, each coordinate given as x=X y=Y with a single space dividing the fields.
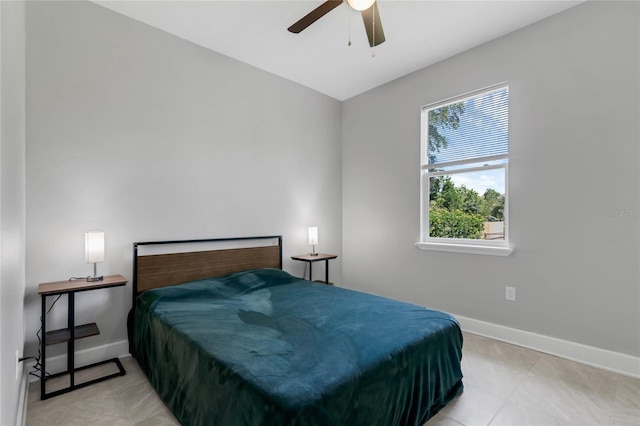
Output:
x=464 y=163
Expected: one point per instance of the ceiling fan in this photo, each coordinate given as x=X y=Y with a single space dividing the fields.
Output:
x=368 y=9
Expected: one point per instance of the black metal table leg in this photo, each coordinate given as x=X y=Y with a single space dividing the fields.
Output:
x=43 y=344
x=72 y=338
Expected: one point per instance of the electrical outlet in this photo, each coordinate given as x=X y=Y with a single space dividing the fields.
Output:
x=511 y=293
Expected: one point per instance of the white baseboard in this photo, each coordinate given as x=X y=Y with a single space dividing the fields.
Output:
x=84 y=357
x=601 y=358
x=23 y=397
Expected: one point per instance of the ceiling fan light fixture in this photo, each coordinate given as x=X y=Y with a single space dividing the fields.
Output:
x=368 y=9
x=360 y=5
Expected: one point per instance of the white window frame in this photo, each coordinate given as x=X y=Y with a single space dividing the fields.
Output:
x=459 y=245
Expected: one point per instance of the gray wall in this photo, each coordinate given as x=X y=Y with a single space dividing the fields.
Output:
x=574 y=156
x=148 y=137
x=12 y=202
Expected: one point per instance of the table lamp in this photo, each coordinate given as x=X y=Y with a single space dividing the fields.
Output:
x=313 y=239
x=94 y=251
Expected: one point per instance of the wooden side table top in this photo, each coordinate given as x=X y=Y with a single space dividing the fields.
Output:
x=68 y=286
x=312 y=258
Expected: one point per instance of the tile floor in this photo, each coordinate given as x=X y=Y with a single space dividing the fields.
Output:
x=504 y=385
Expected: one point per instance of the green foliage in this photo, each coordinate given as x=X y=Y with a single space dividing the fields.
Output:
x=454 y=224
x=436 y=184
x=471 y=202
x=460 y=212
x=494 y=205
x=491 y=195
x=448 y=198
x=446 y=117
x=497 y=211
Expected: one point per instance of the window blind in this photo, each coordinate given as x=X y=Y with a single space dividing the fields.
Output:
x=482 y=131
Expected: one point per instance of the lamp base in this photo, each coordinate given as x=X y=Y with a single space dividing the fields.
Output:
x=93 y=279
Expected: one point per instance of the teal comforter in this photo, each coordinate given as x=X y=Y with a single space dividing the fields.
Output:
x=262 y=347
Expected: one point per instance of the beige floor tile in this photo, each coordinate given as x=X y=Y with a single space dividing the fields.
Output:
x=133 y=376
x=37 y=406
x=561 y=401
x=627 y=393
x=509 y=356
x=473 y=407
x=165 y=418
x=442 y=420
x=490 y=376
x=106 y=409
x=494 y=366
x=625 y=418
x=626 y=407
x=577 y=376
x=513 y=414
x=142 y=402
x=96 y=372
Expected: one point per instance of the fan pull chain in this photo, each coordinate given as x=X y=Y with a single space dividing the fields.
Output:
x=349 y=20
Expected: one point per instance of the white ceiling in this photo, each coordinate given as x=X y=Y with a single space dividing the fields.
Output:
x=418 y=34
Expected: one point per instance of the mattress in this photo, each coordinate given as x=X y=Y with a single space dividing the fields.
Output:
x=262 y=347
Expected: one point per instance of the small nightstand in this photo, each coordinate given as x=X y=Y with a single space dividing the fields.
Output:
x=72 y=332
x=309 y=258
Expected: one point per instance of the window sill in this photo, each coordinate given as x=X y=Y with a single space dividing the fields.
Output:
x=465 y=248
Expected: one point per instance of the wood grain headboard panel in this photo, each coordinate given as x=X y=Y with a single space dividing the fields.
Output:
x=161 y=270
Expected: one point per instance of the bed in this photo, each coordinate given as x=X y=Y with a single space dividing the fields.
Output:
x=226 y=337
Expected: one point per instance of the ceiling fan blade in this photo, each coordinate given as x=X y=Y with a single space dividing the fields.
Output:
x=314 y=15
x=368 y=17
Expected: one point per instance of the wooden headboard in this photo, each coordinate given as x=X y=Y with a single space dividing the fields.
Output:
x=163 y=263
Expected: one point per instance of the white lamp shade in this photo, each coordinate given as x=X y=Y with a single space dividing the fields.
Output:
x=313 y=235
x=360 y=5
x=94 y=246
